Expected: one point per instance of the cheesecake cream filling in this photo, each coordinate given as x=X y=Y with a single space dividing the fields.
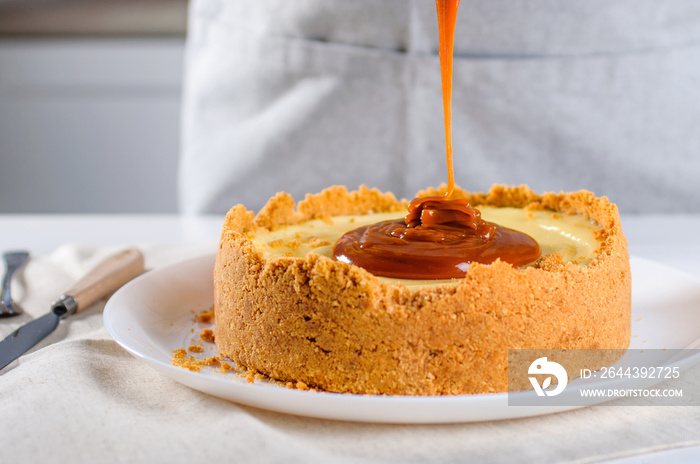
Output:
x=573 y=236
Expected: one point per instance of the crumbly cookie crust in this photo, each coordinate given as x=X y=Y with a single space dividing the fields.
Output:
x=336 y=327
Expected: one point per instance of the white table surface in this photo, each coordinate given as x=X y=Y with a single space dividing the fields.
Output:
x=668 y=239
x=41 y=234
x=671 y=240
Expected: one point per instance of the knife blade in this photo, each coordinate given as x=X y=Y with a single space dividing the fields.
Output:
x=104 y=279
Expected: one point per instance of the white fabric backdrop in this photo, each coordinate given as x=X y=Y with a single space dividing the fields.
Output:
x=561 y=95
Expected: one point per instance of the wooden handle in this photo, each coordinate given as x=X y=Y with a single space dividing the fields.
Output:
x=107 y=277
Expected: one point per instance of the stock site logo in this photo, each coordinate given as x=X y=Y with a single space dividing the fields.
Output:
x=550 y=368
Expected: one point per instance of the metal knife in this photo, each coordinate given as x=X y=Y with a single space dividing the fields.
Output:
x=104 y=279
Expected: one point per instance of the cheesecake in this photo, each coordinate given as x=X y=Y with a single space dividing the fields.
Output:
x=288 y=309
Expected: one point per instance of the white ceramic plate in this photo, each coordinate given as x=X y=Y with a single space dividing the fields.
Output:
x=154 y=315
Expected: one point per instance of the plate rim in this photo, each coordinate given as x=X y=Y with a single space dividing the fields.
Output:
x=256 y=394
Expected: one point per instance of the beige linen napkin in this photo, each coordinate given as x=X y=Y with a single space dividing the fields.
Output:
x=79 y=397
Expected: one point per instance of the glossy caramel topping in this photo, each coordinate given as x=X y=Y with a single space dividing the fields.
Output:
x=442 y=251
x=438 y=211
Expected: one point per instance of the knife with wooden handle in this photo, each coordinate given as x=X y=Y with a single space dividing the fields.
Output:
x=106 y=278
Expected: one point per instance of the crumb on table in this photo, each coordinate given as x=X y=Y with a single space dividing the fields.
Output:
x=206 y=317
x=207 y=335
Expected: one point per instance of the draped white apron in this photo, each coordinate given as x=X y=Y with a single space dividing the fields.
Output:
x=298 y=95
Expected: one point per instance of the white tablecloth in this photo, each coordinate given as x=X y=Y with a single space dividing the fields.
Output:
x=79 y=397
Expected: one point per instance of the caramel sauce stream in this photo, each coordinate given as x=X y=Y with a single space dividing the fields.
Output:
x=447 y=20
x=440 y=237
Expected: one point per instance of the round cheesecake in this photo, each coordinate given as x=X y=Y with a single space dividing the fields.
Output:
x=286 y=309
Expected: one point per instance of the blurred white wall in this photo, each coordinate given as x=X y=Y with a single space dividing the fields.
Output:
x=89 y=125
